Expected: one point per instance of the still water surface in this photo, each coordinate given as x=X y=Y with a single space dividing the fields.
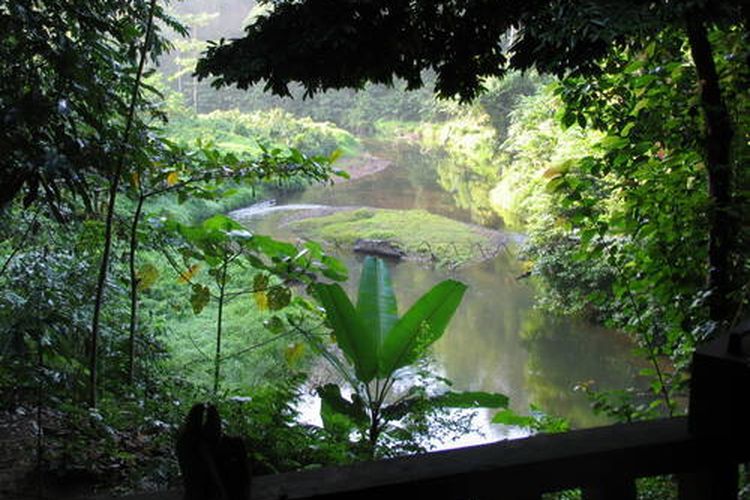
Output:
x=496 y=341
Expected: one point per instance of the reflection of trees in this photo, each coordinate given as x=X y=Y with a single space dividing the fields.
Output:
x=482 y=350
x=563 y=353
x=496 y=341
x=470 y=187
x=410 y=183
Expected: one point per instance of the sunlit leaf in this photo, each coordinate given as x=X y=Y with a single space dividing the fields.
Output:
x=422 y=325
x=557 y=170
x=187 y=275
x=351 y=335
x=146 y=277
x=335 y=155
x=376 y=304
x=172 y=178
x=261 y=300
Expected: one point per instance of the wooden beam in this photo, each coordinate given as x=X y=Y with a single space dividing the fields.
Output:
x=522 y=468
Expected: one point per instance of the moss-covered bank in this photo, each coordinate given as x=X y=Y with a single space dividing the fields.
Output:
x=419 y=233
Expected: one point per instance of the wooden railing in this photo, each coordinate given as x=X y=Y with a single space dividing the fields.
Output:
x=703 y=451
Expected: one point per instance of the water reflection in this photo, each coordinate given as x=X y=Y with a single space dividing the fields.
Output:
x=497 y=341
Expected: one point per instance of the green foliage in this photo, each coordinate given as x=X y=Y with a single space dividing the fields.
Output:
x=268 y=421
x=625 y=236
x=234 y=131
x=374 y=341
x=642 y=203
x=358 y=111
x=377 y=343
x=617 y=205
x=477 y=151
x=503 y=95
x=226 y=247
x=44 y=322
x=346 y=46
x=64 y=115
x=464 y=151
x=535 y=150
x=417 y=232
x=537 y=421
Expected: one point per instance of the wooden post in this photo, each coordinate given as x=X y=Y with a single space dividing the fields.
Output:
x=718 y=482
x=719 y=406
x=719 y=413
x=612 y=488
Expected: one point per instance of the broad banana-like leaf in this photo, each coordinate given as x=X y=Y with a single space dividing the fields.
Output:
x=357 y=342
x=376 y=305
x=474 y=399
x=422 y=325
x=510 y=417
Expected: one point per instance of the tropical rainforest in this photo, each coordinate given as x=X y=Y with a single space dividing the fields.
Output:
x=225 y=201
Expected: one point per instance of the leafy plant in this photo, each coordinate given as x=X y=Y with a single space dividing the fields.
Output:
x=223 y=245
x=536 y=421
x=202 y=172
x=377 y=343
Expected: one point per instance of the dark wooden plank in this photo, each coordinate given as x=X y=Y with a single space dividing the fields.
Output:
x=719 y=481
x=612 y=488
x=518 y=468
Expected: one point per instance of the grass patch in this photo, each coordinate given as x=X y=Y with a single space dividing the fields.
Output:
x=417 y=232
x=241 y=132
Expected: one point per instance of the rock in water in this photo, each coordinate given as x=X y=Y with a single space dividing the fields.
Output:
x=381 y=248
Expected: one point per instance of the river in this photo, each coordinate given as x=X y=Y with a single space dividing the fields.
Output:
x=497 y=341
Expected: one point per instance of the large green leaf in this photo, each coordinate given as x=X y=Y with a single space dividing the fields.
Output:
x=352 y=337
x=422 y=325
x=222 y=223
x=510 y=417
x=418 y=399
x=376 y=305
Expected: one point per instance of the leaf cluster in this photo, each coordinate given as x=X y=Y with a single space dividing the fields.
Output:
x=377 y=343
x=327 y=44
x=68 y=73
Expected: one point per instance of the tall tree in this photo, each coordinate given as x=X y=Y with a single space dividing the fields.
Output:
x=65 y=84
x=331 y=44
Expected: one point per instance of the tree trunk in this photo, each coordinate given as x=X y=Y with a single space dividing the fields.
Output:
x=113 y=188
x=718 y=137
x=133 y=288
x=217 y=357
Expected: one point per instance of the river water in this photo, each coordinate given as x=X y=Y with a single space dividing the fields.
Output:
x=497 y=341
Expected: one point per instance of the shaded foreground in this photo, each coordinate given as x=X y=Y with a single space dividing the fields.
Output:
x=604 y=462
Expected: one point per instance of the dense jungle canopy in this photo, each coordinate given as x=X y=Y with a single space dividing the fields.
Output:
x=186 y=189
